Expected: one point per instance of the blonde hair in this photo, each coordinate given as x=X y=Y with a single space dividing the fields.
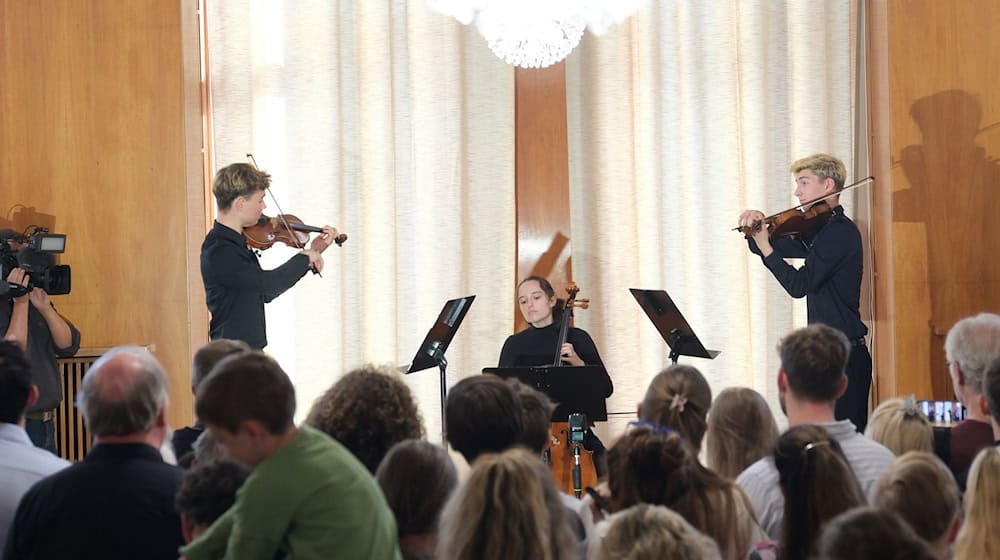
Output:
x=899 y=425
x=648 y=532
x=823 y=166
x=978 y=537
x=508 y=508
x=236 y=180
x=679 y=397
x=741 y=430
x=921 y=489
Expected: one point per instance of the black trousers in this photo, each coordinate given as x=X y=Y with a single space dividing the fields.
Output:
x=853 y=405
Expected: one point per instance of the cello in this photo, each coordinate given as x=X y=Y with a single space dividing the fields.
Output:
x=571 y=463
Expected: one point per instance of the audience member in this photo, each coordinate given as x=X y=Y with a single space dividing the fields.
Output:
x=971 y=344
x=123 y=482
x=991 y=392
x=204 y=360
x=741 y=431
x=648 y=532
x=899 y=425
x=307 y=494
x=679 y=398
x=206 y=492
x=368 y=411
x=921 y=489
x=482 y=415
x=868 y=533
x=978 y=537
x=507 y=508
x=653 y=466
x=810 y=379
x=417 y=478
x=21 y=463
x=817 y=484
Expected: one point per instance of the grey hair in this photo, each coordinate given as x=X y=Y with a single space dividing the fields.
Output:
x=973 y=343
x=207 y=449
x=123 y=404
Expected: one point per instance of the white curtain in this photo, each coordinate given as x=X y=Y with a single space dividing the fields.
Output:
x=395 y=125
x=679 y=119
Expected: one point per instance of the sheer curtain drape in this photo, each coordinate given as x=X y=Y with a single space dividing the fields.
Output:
x=394 y=124
x=679 y=119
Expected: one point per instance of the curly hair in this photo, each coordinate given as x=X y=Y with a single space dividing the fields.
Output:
x=368 y=411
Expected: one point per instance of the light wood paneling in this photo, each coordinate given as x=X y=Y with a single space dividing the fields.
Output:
x=936 y=111
x=98 y=107
x=542 y=178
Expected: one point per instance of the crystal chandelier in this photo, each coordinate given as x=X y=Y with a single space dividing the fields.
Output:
x=536 y=33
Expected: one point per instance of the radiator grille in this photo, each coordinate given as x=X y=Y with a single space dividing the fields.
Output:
x=72 y=439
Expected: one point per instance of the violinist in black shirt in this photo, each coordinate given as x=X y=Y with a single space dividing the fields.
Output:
x=830 y=279
x=236 y=287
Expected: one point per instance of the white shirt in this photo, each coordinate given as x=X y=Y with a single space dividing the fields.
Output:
x=868 y=459
x=21 y=466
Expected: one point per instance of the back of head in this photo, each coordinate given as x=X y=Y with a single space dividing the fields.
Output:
x=247 y=386
x=123 y=392
x=972 y=343
x=15 y=382
x=212 y=353
x=679 y=398
x=817 y=483
x=536 y=417
x=648 y=532
x=650 y=466
x=368 y=410
x=482 y=414
x=814 y=360
x=236 y=180
x=899 y=425
x=416 y=477
x=991 y=388
x=206 y=448
x=867 y=533
x=508 y=507
x=741 y=430
x=209 y=489
x=921 y=489
x=978 y=537
x=823 y=166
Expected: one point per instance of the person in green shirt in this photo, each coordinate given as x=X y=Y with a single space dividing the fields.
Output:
x=306 y=497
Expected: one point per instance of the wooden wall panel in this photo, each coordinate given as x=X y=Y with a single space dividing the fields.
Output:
x=96 y=113
x=542 y=178
x=937 y=117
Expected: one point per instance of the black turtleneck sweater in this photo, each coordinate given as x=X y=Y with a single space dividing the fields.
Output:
x=537 y=347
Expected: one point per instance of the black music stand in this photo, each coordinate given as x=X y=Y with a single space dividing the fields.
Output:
x=570 y=387
x=671 y=325
x=431 y=352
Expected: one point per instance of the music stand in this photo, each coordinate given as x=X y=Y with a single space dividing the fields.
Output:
x=671 y=325
x=438 y=338
x=570 y=387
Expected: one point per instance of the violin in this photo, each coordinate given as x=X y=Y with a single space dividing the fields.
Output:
x=805 y=219
x=286 y=228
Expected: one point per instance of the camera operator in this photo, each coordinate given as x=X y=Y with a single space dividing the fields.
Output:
x=32 y=321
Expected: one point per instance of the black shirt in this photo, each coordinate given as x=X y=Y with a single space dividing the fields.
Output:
x=117 y=503
x=236 y=287
x=41 y=354
x=537 y=347
x=830 y=279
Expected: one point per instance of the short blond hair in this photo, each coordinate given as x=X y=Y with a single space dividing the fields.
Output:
x=921 y=489
x=823 y=166
x=899 y=425
x=236 y=180
x=646 y=531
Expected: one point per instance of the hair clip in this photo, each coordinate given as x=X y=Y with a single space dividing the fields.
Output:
x=653 y=426
x=813 y=445
x=678 y=402
x=910 y=407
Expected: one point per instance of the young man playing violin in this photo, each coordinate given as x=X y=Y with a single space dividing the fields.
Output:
x=830 y=279
x=236 y=287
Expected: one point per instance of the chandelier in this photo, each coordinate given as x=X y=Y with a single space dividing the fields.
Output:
x=536 y=33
